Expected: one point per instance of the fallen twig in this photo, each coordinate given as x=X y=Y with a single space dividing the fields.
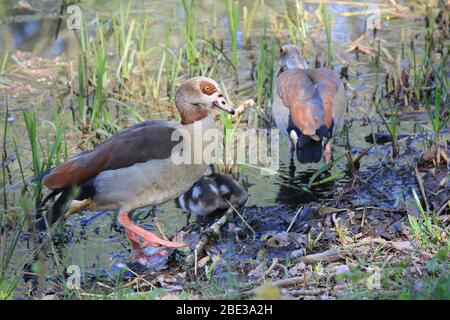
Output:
x=307 y=292
x=331 y=255
x=241 y=217
x=159 y=228
x=295 y=218
x=445 y=206
x=272 y=266
x=208 y=234
x=422 y=188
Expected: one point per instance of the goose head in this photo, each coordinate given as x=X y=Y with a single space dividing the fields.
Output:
x=196 y=95
x=291 y=57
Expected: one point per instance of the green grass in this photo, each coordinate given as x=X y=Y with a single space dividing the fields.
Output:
x=173 y=72
x=232 y=8
x=261 y=73
x=123 y=39
x=324 y=14
x=4 y=62
x=5 y=155
x=397 y=282
x=326 y=167
x=296 y=26
x=43 y=158
x=427 y=227
x=157 y=82
x=249 y=18
x=100 y=113
x=31 y=126
x=436 y=114
x=9 y=278
x=392 y=123
x=189 y=35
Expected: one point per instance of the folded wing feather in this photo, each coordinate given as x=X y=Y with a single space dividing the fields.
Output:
x=133 y=145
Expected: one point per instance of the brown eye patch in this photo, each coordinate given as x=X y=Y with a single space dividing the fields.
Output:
x=207 y=88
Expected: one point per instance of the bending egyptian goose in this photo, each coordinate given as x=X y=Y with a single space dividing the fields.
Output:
x=308 y=105
x=211 y=193
x=135 y=167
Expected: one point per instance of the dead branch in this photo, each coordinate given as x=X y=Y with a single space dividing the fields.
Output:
x=422 y=188
x=331 y=255
x=207 y=235
x=307 y=292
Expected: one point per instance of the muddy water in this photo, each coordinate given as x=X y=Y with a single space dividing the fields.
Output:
x=48 y=38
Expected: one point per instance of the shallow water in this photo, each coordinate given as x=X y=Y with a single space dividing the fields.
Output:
x=48 y=38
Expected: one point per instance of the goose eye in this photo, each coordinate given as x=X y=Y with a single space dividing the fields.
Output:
x=207 y=88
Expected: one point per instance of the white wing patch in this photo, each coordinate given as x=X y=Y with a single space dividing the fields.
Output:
x=224 y=189
x=196 y=192
x=213 y=188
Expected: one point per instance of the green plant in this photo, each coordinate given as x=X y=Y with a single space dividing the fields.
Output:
x=326 y=22
x=189 y=36
x=393 y=122
x=427 y=229
x=157 y=82
x=437 y=117
x=435 y=284
x=8 y=245
x=296 y=26
x=312 y=181
x=173 y=72
x=392 y=126
x=100 y=113
x=248 y=20
x=31 y=126
x=50 y=156
x=4 y=62
x=261 y=73
x=232 y=9
x=209 y=270
x=124 y=42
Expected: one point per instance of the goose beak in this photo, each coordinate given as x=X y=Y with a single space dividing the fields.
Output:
x=221 y=103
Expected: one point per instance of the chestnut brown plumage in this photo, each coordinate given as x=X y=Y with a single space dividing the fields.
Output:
x=308 y=105
x=134 y=168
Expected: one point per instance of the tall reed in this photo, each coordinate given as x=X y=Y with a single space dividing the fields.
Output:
x=326 y=22
x=296 y=26
x=232 y=9
x=249 y=18
x=8 y=245
x=437 y=117
x=43 y=159
x=4 y=62
x=261 y=73
x=189 y=35
x=31 y=126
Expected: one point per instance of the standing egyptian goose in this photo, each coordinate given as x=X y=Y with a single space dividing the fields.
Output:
x=135 y=168
x=211 y=193
x=308 y=105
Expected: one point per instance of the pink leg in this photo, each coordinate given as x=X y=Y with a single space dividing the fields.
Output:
x=327 y=153
x=134 y=240
x=150 y=239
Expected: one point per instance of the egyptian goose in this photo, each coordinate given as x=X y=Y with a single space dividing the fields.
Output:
x=308 y=105
x=135 y=167
x=211 y=193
